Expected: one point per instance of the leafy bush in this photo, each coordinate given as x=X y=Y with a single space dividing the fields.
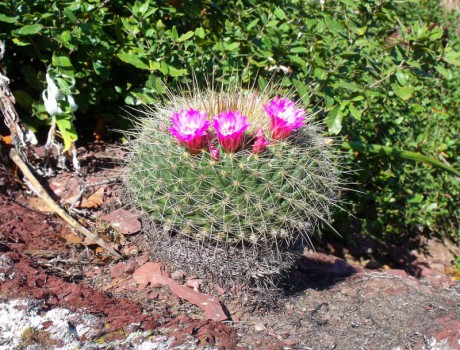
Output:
x=376 y=71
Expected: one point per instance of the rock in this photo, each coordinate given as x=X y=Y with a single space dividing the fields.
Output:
x=259 y=327
x=397 y=272
x=123 y=221
x=290 y=342
x=118 y=270
x=178 y=275
x=152 y=273
x=6 y=263
x=194 y=284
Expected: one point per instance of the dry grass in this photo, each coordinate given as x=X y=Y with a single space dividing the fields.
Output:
x=451 y=5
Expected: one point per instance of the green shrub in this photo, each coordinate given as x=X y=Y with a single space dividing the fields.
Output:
x=376 y=71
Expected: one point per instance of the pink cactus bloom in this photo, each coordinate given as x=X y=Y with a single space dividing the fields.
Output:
x=260 y=143
x=230 y=127
x=215 y=153
x=285 y=117
x=189 y=127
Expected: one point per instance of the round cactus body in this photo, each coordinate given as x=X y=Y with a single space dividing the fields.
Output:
x=253 y=170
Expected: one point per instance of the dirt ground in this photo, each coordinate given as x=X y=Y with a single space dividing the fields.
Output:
x=60 y=291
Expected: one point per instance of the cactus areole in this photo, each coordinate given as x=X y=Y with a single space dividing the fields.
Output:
x=239 y=167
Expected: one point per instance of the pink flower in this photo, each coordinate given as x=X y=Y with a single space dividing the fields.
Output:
x=230 y=127
x=285 y=117
x=260 y=142
x=189 y=126
x=215 y=154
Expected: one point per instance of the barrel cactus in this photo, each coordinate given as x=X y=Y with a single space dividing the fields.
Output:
x=236 y=169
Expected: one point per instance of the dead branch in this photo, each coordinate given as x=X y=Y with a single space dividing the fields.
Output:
x=20 y=134
x=56 y=208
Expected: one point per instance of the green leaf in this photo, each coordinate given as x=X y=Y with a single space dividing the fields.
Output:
x=61 y=61
x=436 y=33
x=70 y=15
x=453 y=57
x=232 y=46
x=160 y=25
x=67 y=131
x=132 y=59
x=401 y=76
x=446 y=73
x=7 y=19
x=29 y=29
x=299 y=49
x=185 y=36
x=65 y=37
x=359 y=30
x=333 y=120
x=199 y=32
x=351 y=3
x=155 y=84
x=174 y=33
x=280 y=13
x=354 y=112
x=320 y=74
x=414 y=64
x=403 y=92
x=174 y=72
x=252 y=23
x=346 y=85
x=19 y=42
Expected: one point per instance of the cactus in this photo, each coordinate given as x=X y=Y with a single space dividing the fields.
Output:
x=266 y=183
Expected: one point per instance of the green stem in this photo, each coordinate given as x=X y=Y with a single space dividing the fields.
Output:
x=391 y=151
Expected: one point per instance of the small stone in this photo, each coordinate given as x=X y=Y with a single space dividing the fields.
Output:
x=123 y=221
x=130 y=250
x=194 y=283
x=259 y=327
x=142 y=259
x=6 y=263
x=178 y=275
x=290 y=342
x=131 y=266
x=117 y=270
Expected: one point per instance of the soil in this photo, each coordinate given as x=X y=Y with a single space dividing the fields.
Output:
x=59 y=291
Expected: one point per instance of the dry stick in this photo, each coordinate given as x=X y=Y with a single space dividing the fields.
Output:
x=56 y=208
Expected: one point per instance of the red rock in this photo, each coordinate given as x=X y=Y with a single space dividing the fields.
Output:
x=397 y=272
x=141 y=260
x=131 y=266
x=177 y=275
x=194 y=283
x=146 y=273
x=117 y=270
x=290 y=342
x=123 y=221
x=151 y=273
x=212 y=308
x=47 y=324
